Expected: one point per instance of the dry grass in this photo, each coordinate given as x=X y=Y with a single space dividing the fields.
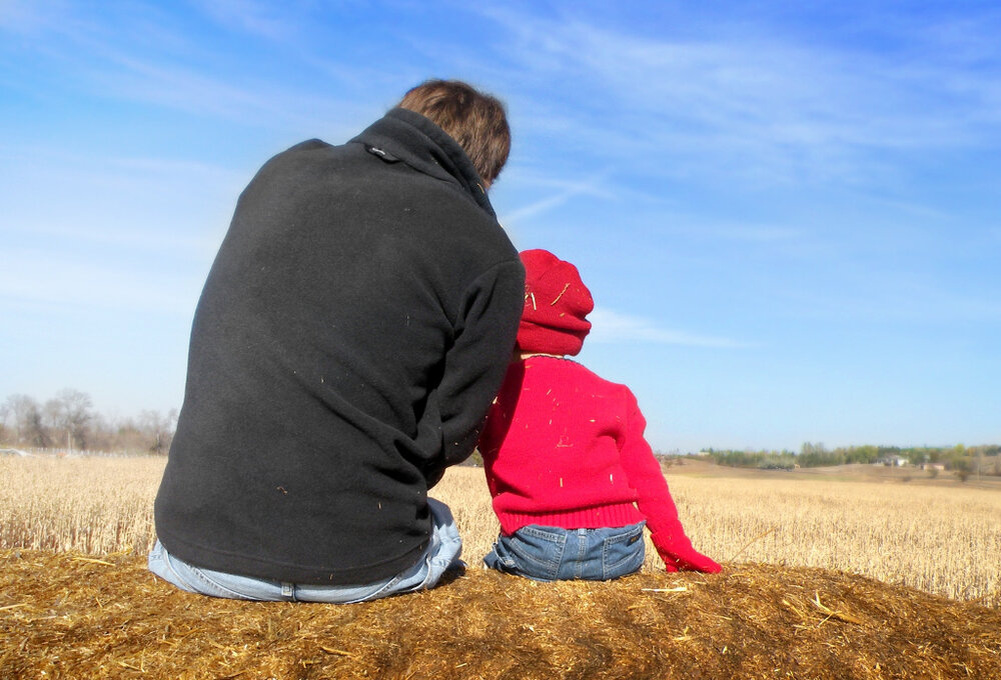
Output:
x=90 y=505
x=942 y=539
x=63 y=616
x=77 y=602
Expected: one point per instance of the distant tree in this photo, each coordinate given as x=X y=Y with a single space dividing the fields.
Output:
x=862 y=454
x=4 y=412
x=157 y=429
x=64 y=418
x=916 y=456
x=815 y=455
x=963 y=471
x=35 y=433
x=76 y=415
x=960 y=463
x=54 y=418
x=21 y=406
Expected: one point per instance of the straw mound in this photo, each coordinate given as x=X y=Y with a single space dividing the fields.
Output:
x=73 y=616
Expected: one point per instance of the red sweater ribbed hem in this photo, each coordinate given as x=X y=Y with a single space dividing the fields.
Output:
x=618 y=515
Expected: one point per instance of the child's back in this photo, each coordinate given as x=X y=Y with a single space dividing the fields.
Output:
x=563 y=461
x=572 y=478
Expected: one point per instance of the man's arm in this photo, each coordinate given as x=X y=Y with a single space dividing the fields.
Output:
x=474 y=366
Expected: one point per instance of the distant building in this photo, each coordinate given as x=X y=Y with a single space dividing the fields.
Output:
x=893 y=461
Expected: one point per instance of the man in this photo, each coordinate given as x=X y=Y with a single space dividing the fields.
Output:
x=353 y=330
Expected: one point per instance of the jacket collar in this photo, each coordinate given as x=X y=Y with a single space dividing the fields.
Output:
x=408 y=137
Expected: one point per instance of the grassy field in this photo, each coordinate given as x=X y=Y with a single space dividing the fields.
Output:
x=939 y=536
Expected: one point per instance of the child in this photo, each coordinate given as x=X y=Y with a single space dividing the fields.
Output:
x=564 y=453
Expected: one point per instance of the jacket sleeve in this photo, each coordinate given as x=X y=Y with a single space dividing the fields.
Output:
x=474 y=365
x=654 y=498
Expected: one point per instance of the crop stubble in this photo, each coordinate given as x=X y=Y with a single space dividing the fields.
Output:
x=940 y=539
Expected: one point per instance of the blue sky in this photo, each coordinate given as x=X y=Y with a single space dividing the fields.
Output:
x=789 y=214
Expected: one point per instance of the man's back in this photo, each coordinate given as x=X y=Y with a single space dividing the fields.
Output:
x=328 y=372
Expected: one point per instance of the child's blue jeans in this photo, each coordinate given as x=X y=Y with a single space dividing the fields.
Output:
x=555 y=554
x=440 y=557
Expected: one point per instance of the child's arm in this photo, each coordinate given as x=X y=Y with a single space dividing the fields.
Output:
x=654 y=499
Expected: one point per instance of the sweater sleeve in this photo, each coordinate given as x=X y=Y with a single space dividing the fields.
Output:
x=474 y=365
x=654 y=498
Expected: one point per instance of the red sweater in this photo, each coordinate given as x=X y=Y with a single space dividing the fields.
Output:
x=563 y=447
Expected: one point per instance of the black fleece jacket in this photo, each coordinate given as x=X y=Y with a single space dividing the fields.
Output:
x=352 y=332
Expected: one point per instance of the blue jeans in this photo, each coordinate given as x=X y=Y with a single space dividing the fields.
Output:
x=441 y=556
x=554 y=554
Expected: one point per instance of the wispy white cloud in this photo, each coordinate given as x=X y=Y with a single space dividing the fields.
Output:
x=779 y=108
x=150 y=58
x=158 y=247
x=609 y=326
x=595 y=187
x=268 y=20
x=196 y=91
x=29 y=16
x=129 y=204
x=159 y=175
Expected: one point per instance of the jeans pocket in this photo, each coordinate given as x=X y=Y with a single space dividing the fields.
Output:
x=500 y=559
x=623 y=553
x=541 y=548
x=531 y=551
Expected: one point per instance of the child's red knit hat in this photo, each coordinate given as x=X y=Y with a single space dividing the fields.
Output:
x=556 y=302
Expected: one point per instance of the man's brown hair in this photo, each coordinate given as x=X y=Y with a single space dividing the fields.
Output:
x=473 y=119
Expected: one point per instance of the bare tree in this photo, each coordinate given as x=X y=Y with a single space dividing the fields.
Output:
x=27 y=418
x=158 y=428
x=54 y=419
x=4 y=412
x=68 y=419
x=34 y=431
x=76 y=413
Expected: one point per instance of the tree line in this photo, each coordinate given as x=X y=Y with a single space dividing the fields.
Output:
x=961 y=459
x=68 y=421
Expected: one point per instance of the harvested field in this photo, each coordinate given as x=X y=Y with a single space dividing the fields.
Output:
x=70 y=616
x=794 y=600
x=941 y=538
